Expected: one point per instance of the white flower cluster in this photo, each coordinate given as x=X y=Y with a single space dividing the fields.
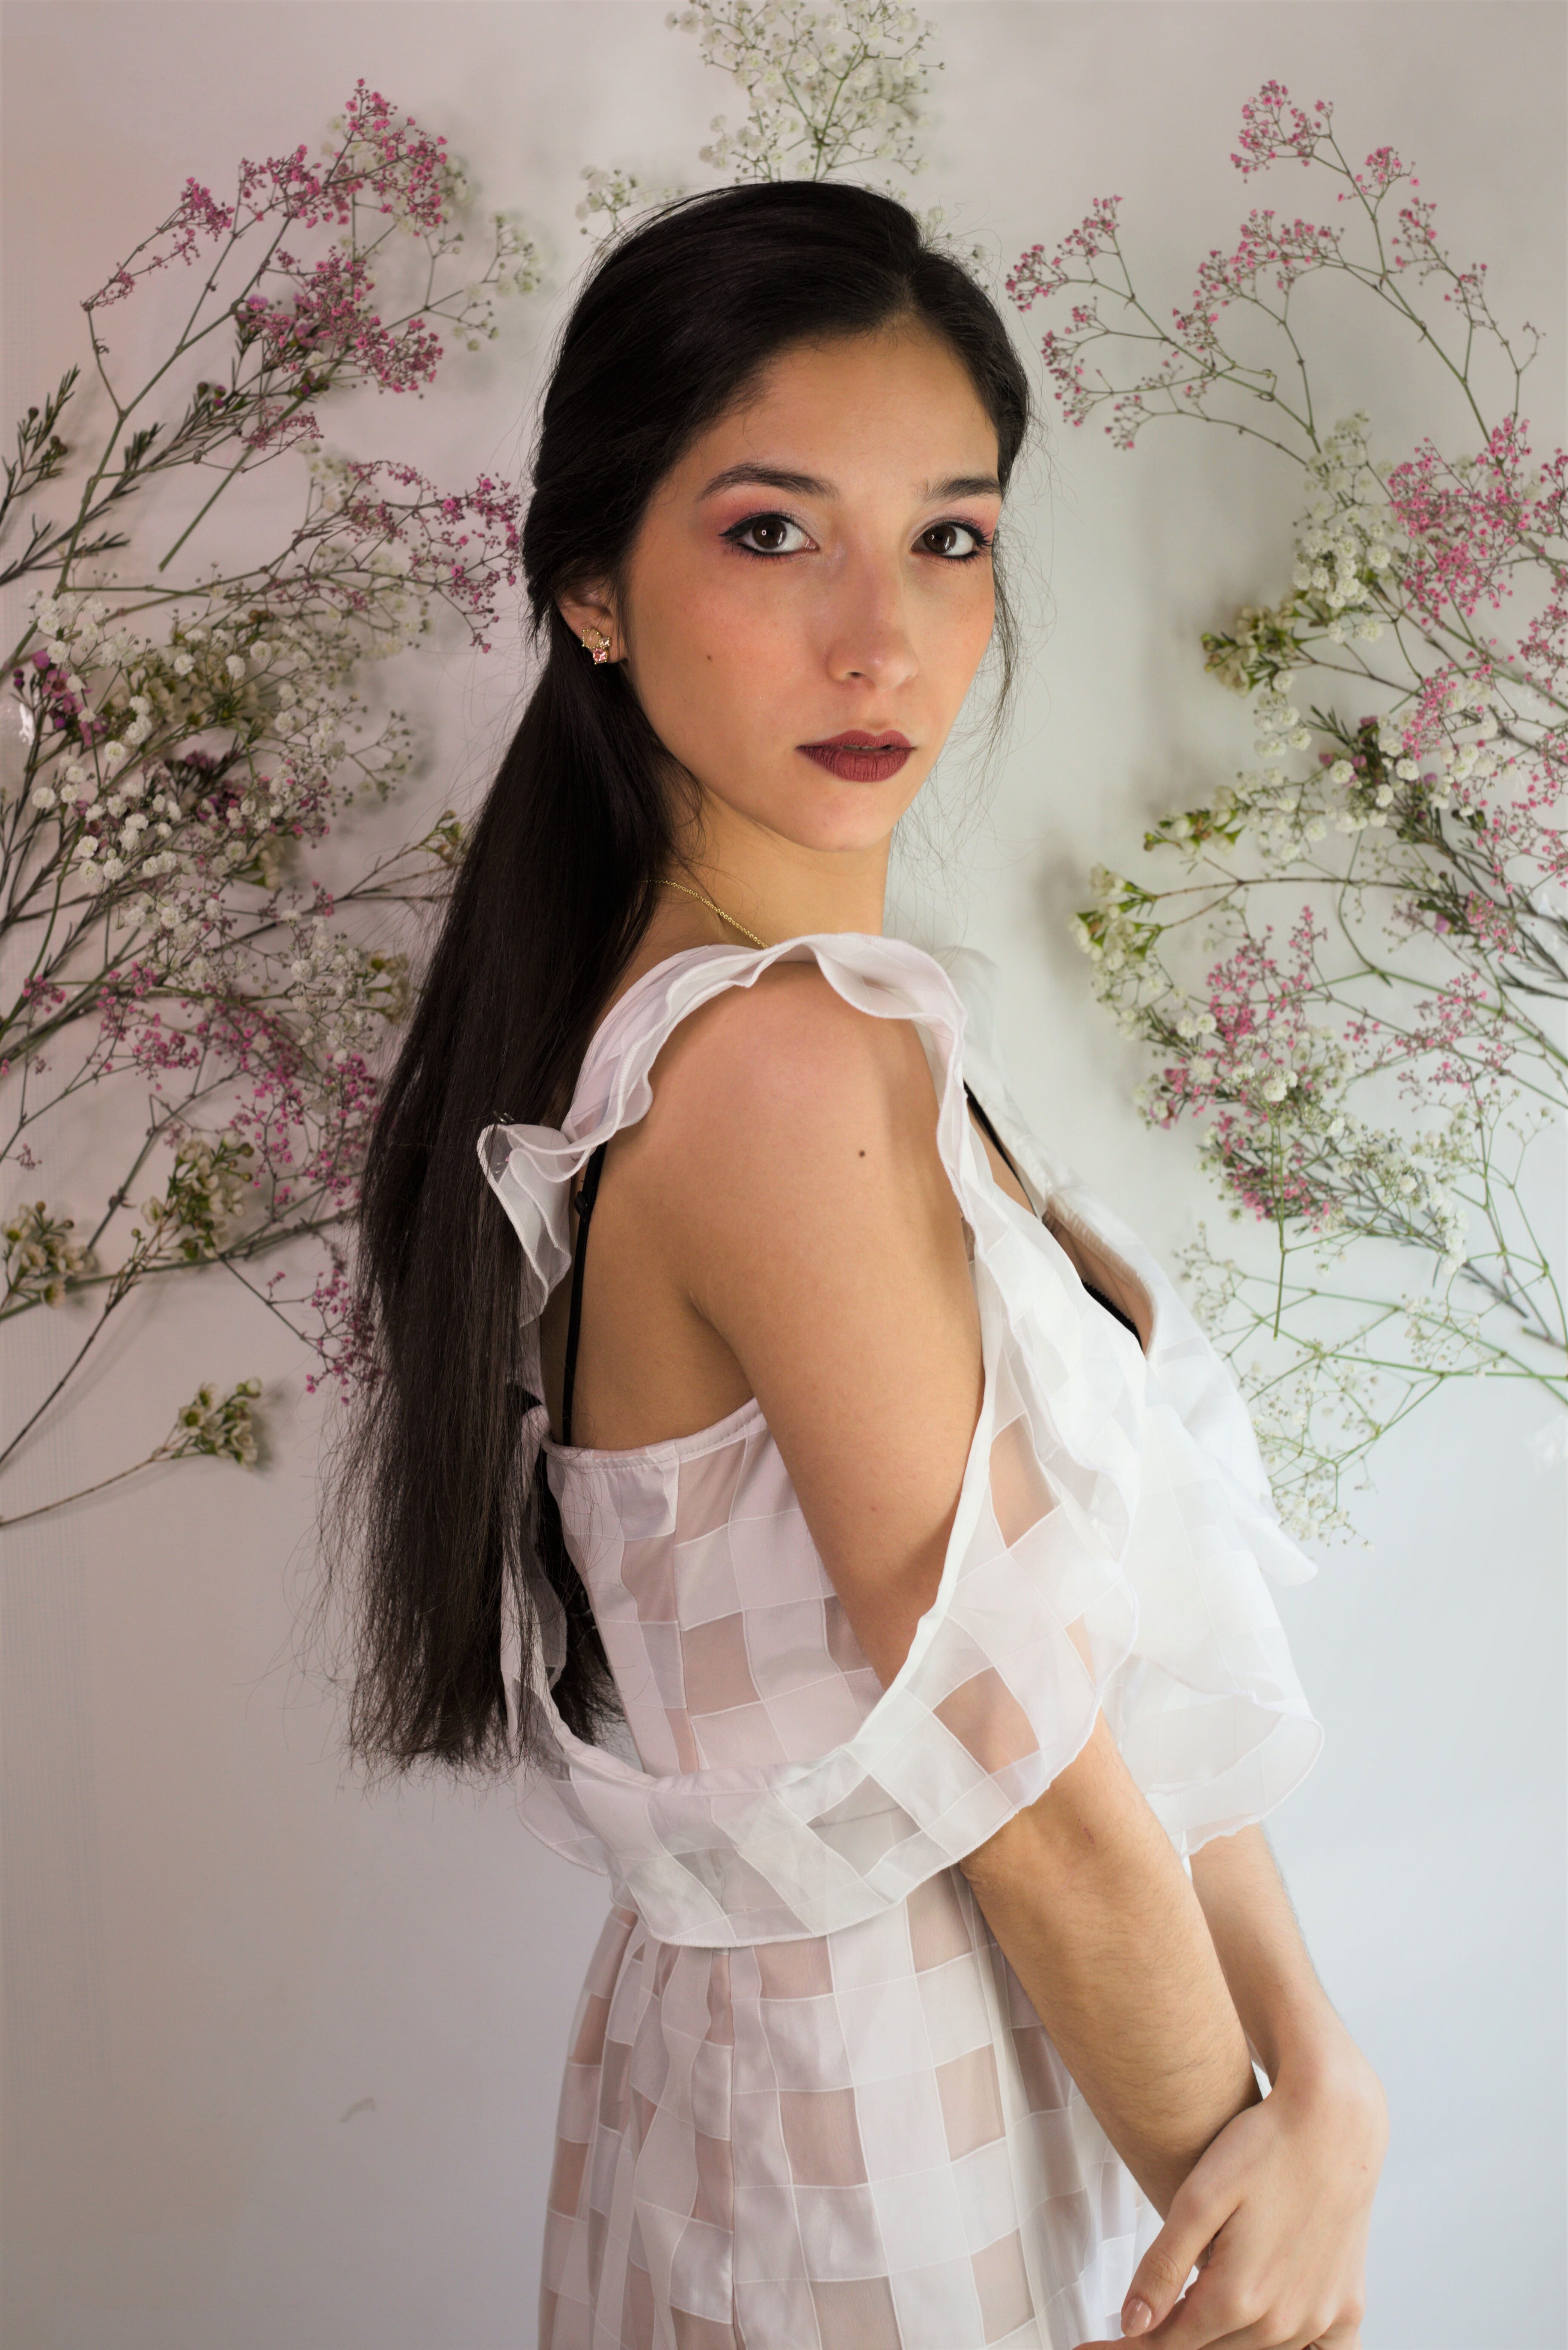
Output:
x=1304 y=1474
x=614 y=197
x=209 y=751
x=1463 y=753
x=1115 y=937
x=1280 y=730
x=396 y=609
x=222 y=1428
x=1383 y=1182
x=1302 y=1386
x=40 y=1257
x=1295 y=1075
x=514 y=267
x=1318 y=1401
x=1442 y=1338
x=1288 y=814
x=828 y=90
x=1342 y=544
x=205 y=1200
x=340 y=992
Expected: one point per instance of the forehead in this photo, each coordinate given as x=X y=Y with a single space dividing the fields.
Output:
x=896 y=404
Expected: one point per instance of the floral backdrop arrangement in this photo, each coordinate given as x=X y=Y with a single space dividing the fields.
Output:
x=1351 y=961
x=177 y=740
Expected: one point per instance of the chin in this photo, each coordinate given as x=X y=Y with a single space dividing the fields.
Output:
x=840 y=816
x=839 y=834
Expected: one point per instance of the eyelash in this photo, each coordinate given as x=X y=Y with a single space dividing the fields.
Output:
x=737 y=531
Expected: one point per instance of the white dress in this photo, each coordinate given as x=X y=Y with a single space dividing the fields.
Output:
x=807 y=2105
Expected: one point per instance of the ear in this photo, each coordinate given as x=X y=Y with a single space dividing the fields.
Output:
x=590 y=612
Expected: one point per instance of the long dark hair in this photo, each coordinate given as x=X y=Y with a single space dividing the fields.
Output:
x=429 y=1505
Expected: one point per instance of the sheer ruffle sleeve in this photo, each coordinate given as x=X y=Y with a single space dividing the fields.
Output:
x=1109 y=1549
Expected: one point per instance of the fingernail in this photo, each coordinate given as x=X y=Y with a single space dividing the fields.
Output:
x=1136 y=2316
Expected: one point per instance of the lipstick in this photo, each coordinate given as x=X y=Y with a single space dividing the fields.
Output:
x=860 y=757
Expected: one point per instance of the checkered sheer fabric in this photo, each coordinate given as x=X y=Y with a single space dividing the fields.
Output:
x=807 y=2103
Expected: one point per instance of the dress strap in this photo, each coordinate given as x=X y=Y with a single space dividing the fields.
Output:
x=584 y=1204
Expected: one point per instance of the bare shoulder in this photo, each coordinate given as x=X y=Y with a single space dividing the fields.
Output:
x=802 y=1209
x=781 y=1081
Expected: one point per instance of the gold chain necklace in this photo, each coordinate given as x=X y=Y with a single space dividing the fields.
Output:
x=713 y=909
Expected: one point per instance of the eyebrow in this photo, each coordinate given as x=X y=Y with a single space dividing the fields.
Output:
x=807 y=485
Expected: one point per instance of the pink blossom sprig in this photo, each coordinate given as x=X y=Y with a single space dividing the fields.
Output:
x=1272 y=127
x=376 y=522
x=291 y=302
x=1183 y=365
x=380 y=160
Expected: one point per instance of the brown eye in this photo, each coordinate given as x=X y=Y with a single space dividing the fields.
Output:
x=958 y=541
x=767 y=533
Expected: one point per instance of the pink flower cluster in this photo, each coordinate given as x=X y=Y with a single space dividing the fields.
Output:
x=344 y=1338
x=45 y=684
x=325 y=330
x=1272 y=126
x=1282 y=250
x=1468 y=527
x=1252 y=1070
x=197 y=215
x=380 y=160
x=1036 y=274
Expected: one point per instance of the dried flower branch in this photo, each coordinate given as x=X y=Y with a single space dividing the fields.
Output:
x=1371 y=1091
x=175 y=744
x=829 y=91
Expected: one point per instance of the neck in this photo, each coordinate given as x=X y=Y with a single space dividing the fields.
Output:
x=780 y=889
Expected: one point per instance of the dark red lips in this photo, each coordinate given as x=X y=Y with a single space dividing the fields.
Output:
x=860 y=757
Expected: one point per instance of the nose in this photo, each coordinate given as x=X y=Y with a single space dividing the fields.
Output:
x=869 y=637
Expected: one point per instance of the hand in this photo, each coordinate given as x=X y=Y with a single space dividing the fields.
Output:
x=1275 y=2216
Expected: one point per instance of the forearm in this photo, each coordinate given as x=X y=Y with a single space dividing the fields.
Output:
x=1096 y=1915
x=1284 y=2008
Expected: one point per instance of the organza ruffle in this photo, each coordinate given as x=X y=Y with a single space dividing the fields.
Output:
x=1109 y=1548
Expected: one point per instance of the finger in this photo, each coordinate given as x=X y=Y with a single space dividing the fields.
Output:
x=1224 y=2316
x=1219 y=2311
x=1195 y=2218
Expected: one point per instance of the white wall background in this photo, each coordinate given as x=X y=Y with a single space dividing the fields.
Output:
x=283 y=2057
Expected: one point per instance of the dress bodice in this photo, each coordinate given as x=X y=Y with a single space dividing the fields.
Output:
x=724 y=1633
x=1109 y=1551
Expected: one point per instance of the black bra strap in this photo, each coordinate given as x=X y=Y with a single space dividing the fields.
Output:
x=990 y=1130
x=1098 y=1294
x=584 y=1204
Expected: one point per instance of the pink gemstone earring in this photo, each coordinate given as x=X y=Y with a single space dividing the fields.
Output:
x=595 y=643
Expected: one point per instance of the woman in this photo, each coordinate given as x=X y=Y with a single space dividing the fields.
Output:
x=860 y=1543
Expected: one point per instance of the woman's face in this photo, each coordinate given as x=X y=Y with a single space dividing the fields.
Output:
x=818 y=566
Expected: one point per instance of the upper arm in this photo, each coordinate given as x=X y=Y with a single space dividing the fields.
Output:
x=810 y=1220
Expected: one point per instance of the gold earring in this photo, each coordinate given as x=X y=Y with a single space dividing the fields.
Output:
x=597 y=643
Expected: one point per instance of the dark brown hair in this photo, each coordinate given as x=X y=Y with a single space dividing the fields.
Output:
x=429 y=1506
